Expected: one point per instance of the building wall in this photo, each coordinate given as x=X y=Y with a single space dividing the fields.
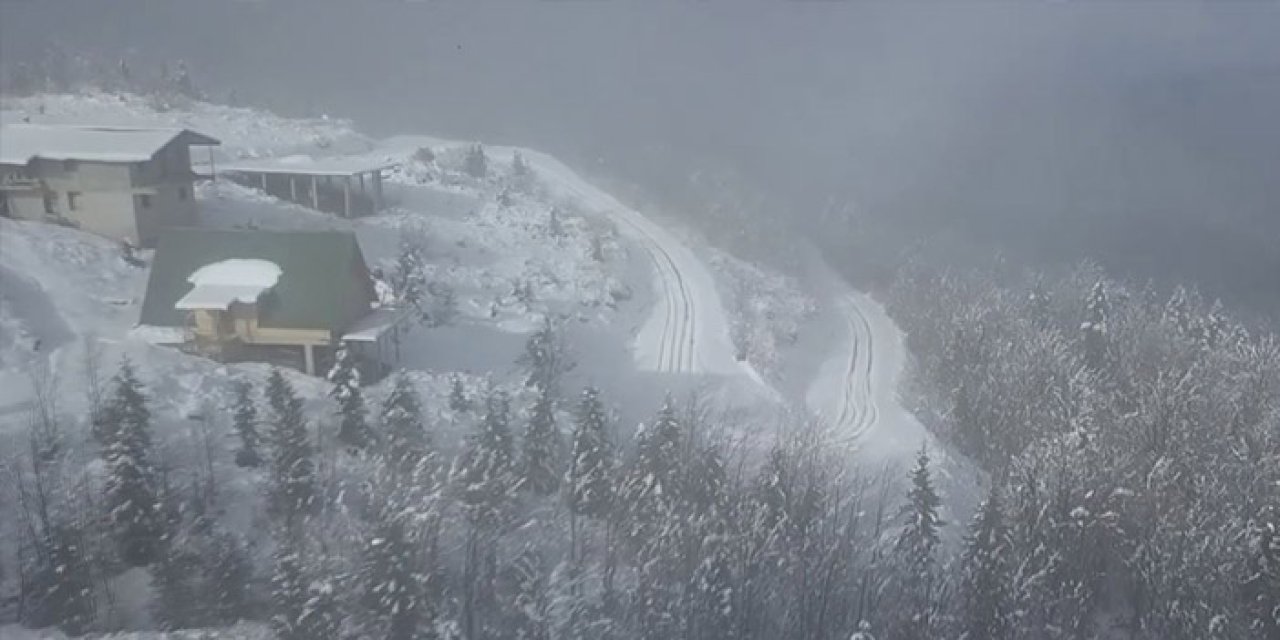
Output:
x=114 y=199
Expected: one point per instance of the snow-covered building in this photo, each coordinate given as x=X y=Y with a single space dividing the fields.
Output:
x=285 y=297
x=347 y=186
x=125 y=183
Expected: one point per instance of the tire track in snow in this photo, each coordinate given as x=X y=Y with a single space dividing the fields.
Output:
x=678 y=347
x=853 y=408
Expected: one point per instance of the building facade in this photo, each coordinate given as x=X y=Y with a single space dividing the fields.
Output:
x=127 y=184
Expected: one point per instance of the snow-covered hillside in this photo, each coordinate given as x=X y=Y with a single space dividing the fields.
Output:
x=642 y=311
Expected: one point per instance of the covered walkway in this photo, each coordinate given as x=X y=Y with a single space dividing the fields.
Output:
x=348 y=187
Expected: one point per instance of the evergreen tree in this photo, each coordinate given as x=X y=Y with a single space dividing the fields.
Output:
x=477 y=163
x=408 y=446
x=713 y=593
x=540 y=468
x=458 y=400
x=1093 y=328
x=133 y=505
x=1040 y=305
x=394 y=576
x=180 y=602
x=60 y=590
x=547 y=358
x=293 y=472
x=653 y=485
x=984 y=603
x=303 y=608
x=485 y=474
x=353 y=429
x=408 y=280
x=589 y=485
x=245 y=421
x=519 y=167
x=229 y=574
x=915 y=548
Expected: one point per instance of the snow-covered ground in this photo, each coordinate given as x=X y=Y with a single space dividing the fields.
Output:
x=856 y=395
x=644 y=311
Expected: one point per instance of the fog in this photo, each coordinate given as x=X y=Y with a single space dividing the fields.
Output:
x=1052 y=132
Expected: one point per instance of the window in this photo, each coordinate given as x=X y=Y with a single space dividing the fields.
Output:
x=50 y=202
x=143 y=200
x=182 y=193
x=73 y=200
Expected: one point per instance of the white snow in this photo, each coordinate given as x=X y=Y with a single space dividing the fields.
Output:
x=310 y=165
x=219 y=284
x=688 y=330
x=21 y=143
x=370 y=327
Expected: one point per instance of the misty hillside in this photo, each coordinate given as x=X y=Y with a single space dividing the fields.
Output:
x=621 y=321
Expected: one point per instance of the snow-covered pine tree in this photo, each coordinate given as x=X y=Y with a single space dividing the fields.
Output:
x=408 y=280
x=540 y=448
x=915 y=550
x=532 y=599
x=485 y=473
x=1177 y=312
x=477 y=163
x=353 y=426
x=60 y=591
x=1040 y=305
x=292 y=470
x=652 y=488
x=394 y=575
x=245 y=421
x=546 y=357
x=519 y=167
x=712 y=587
x=302 y=608
x=589 y=484
x=1094 y=327
x=175 y=576
x=983 y=597
x=228 y=573
x=132 y=503
x=458 y=400
x=408 y=446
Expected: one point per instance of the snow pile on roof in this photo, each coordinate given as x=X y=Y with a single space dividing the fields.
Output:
x=219 y=284
x=20 y=143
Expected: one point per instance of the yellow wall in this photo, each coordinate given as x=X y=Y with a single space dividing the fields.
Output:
x=244 y=327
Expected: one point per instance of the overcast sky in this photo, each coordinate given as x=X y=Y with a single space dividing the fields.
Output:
x=979 y=112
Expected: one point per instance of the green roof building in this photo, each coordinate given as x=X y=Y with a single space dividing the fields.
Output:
x=288 y=297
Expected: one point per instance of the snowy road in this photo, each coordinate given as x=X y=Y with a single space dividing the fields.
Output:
x=687 y=331
x=855 y=391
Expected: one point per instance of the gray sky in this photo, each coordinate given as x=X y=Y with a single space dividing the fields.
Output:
x=1017 y=120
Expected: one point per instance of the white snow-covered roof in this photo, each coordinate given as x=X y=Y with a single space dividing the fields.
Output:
x=219 y=284
x=22 y=143
x=307 y=165
x=372 y=326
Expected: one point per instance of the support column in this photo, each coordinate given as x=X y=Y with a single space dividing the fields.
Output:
x=315 y=194
x=361 y=184
x=309 y=359
x=264 y=182
x=293 y=188
x=213 y=171
x=346 y=196
x=377 y=190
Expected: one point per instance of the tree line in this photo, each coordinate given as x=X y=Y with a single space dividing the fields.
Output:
x=1134 y=439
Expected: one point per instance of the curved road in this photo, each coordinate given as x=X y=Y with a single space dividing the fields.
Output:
x=688 y=331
